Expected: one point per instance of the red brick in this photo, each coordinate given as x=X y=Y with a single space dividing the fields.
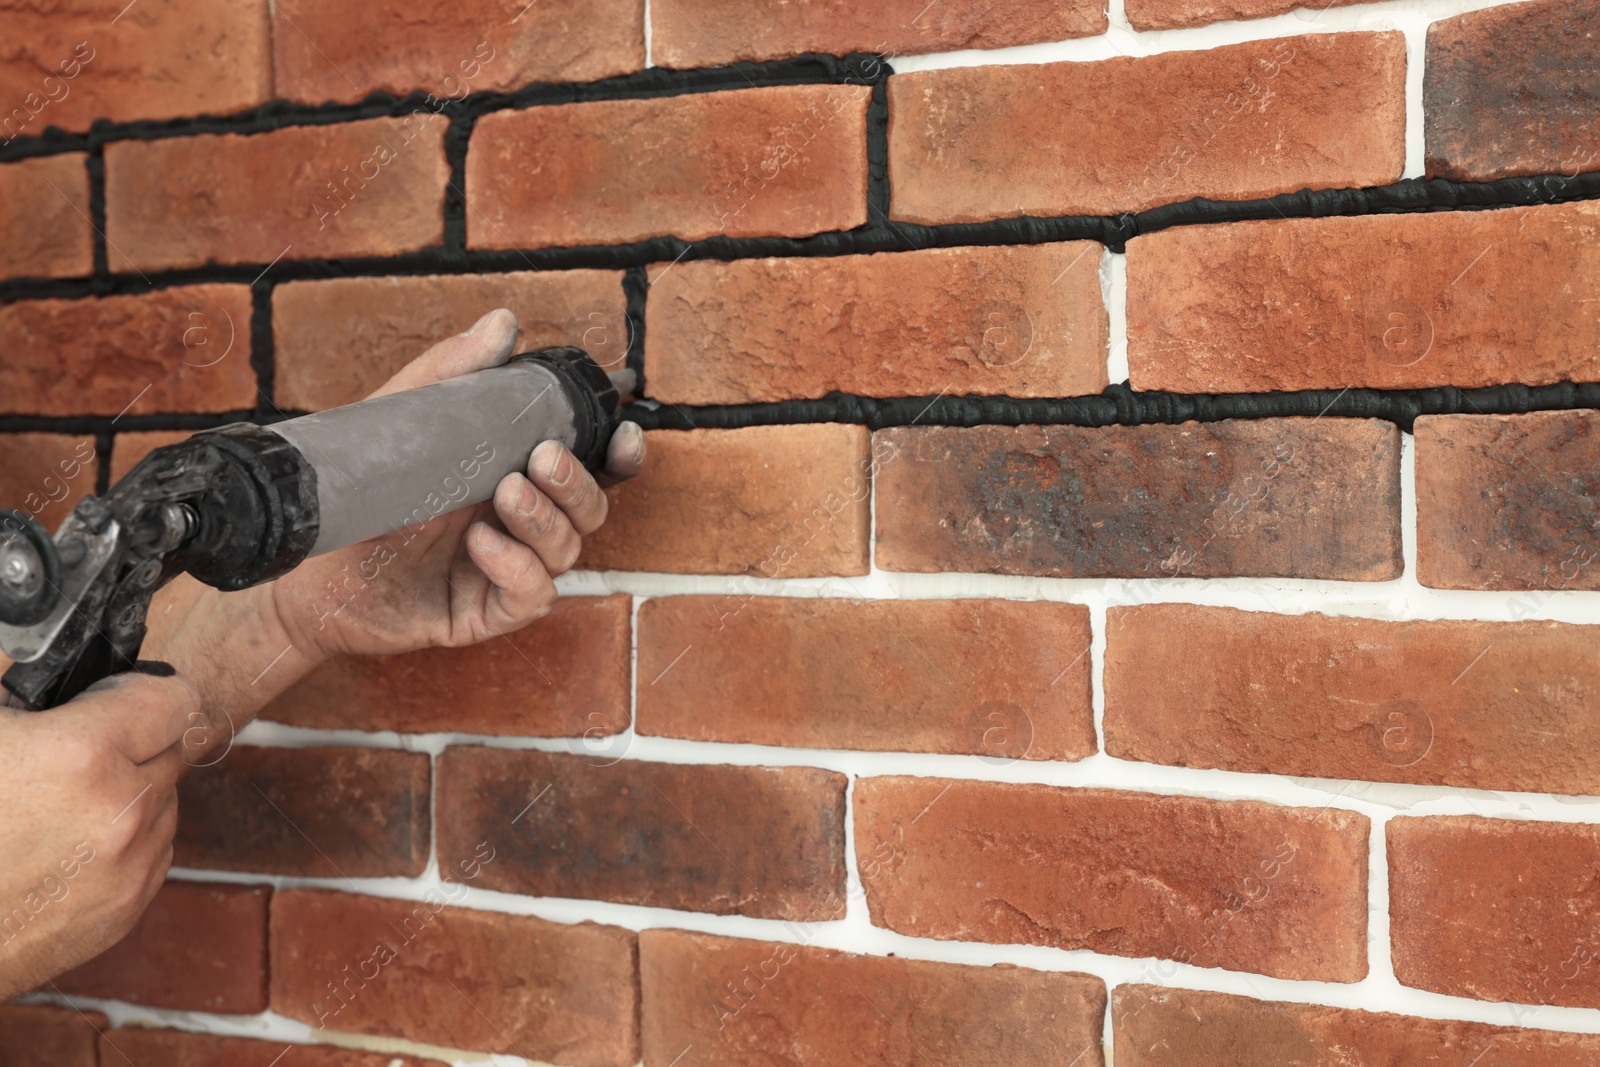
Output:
x=782 y=161
x=180 y=1048
x=1304 y=498
x=135 y=355
x=766 y=842
x=1428 y=702
x=196 y=948
x=1172 y=14
x=709 y=33
x=1022 y=320
x=378 y=325
x=1497 y=909
x=44 y=213
x=566 y=675
x=370 y=188
x=1236 y=122
x=309 y=812
x=1510 y=90
x=43 y=1036
x=127 y=449
x=46 y=474
x=1504 y=501
x=738 y=1002
x=774 y=501
x=71 y=62
x=457 y=978
x=1161 y=1027
x=997 y=678
x=1464 y=298
x=345 y=51
x=1236 y=884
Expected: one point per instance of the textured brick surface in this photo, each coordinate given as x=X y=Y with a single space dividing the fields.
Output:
x=311 y=812
x=44 y=213
x=738 y=1002
x=996 y=678
x=337 y=340
x=1508 y=501
x=1008 y=321
x=1432 y=702
x=127 y=449
x=1241 y=121
x=780 y=161
x=1466 y=298
x=772 y=501
x=566 y=675
x=45 y=1036
x=345 y=51
x=1170 y=14
x=760 y=841
x=196 y=948
x=1511 y=90
x=1497 y=909
x=457 y=978
x=1237 y=884
x=180 y=1048
x=180 y=349
x=46 y=474
x=1309 y=498
x=369 y=188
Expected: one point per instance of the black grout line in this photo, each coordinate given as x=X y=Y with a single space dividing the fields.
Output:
x=95 y=163
x=261 y=346
x=635 y=289
x=878 y=151
x=102 y=453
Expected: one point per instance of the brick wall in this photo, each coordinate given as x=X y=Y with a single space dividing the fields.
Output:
x=1114 y=583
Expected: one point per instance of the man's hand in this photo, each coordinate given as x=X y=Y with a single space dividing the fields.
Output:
x=90 y=801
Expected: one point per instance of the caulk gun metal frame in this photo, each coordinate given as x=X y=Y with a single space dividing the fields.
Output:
x=243 y=504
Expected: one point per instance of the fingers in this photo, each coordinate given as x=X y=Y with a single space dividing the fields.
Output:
x=162 y=771
x=141 y=715
x=522 y=588
x=625 y=455
x=557 y=473
x=533 y=518
x=488 y=342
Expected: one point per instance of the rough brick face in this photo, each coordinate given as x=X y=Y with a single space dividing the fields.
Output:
x=781 y=161
x=996 y=678
x=1511 y=90
x=457 y=978
x=196 y=948
x=375 y=326
x=369 y=188
x=1236 y=884
x=345 y=51
x=772 y=501
x=44 y=1036
x=46 y=474
x=180 y=1048
x=1310 y=498
x=1012 y=321
x=181 y=349
x=1431 y=702
x=1497 y=909
x=766 y=842
x=44 y=213
x=1172 y=14
x=566 y=675
x=1465 y=298
x=736 y=1001
x=1241 y=121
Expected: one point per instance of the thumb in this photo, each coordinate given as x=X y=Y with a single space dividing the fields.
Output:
x=142 y=715
x=488 y=342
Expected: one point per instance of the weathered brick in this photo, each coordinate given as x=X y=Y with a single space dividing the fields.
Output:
x=1020 y=320
x=1307 y=498
x=1511 y=90
x=1232 y=123
x=1155 y=1026
x=44 y=213
x=1172 y=14
x=761 y=841
x=182 y=1048
x=310 y=812
x=38 y=1035
x=127 y=449
x=458 y=978
x=773 y=501
x=196 y=948
x=369 y=188
x=1437 y=702
x=566 y=675
x=1237 y=884
x=378 y=325
x=69 y=63
x=709 y=33
x=1508 y=501
x=46 y=474
x=1497 y=909
x=997 y=678
x=138 y=354
x=782 y=161
x=1464 y=298
x=345 y=51
x=739 y=1002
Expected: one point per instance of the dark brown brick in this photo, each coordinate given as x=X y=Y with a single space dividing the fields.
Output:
x=46 y=474
x=181 y=1048
x=38 y=1035
x=44 y=213
x=1172 y=14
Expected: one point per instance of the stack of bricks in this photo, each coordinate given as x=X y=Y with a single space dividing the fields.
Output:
x=934 y=696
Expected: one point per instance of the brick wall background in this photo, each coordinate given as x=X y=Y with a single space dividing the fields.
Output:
x=927 y=700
